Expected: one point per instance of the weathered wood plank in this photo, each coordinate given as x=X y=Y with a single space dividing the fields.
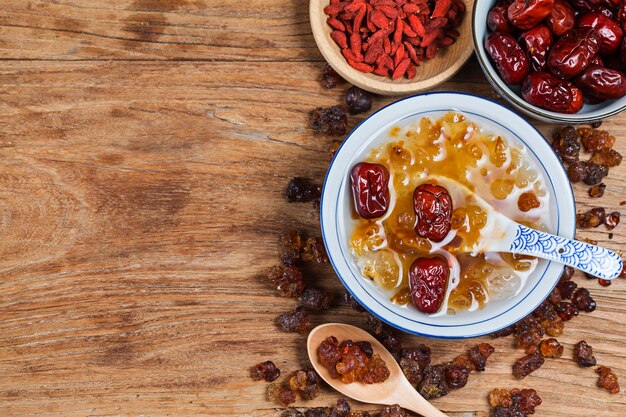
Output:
x=257 y=30
x=139 y=206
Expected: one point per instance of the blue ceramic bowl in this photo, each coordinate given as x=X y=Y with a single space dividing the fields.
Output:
x=337 y=222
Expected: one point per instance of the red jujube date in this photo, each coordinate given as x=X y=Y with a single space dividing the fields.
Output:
x=573 y=52
x=497 y=18
x=602 y=83
x=548 y=92
x=508 y=57
x=370 y=189
x=590 y=5
x=428 y=278
x=525 y=14
x=537 y=42
x=433 y=211
x=562 y=18
x=608 y=30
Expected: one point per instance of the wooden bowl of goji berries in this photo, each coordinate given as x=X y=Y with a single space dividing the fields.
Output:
x=393 y=47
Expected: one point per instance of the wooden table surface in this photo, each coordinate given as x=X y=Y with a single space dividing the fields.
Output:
x=144 y=146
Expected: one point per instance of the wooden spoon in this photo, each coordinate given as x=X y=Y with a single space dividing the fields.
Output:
x=396 y=390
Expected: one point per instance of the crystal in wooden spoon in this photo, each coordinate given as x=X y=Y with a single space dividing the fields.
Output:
x=395 y=390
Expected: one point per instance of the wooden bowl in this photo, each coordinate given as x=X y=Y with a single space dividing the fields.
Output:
x=429 y=74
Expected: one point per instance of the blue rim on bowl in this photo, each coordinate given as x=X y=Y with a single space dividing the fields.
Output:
x=589 y=113
x=336 y=209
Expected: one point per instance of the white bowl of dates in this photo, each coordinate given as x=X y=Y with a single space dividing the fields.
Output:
x=393 y=47
x=555 y=60
x=395 y=238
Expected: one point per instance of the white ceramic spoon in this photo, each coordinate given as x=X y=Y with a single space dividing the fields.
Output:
x=506 y=235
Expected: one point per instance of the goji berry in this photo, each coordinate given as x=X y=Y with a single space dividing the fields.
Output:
x=349 y=55
x=411 y=71
x=360 y=66
x=355 y=44
x=336 y=23
x=416 y=25
x=441 y=8
x=340 y=38
x=399 y=55
x=400 y=69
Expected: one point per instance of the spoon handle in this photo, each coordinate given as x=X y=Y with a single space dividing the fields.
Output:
x=407 y=397
x=595 y=260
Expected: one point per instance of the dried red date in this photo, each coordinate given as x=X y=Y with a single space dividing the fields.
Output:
x=524 y=14
x=537 y=42
x=433 y=211
x=590 y=5
x=428 y=278
x=602 y=83
x=370 y=189
x=561 y=18
x=508 y=57
x=544 y=90
x=608 y=30
x=497 y=18
x=573 y=52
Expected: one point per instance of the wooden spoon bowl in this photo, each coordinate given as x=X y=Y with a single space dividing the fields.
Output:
x=429 y=74
x=395 y=390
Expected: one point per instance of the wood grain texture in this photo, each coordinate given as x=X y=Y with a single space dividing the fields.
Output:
x=140 y=204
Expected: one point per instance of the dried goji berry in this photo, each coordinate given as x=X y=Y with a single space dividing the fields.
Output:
x=400 y=69
x=355 y=44
x=397 y=35
x=406 y=29
x=430 y=38
x=361 y=66
x=441 y=8
x=411 y=71
x=416 y=25
x=399 y=55
x=351 y=56
x=411 y=52
x=340 y=38
x=336 y=23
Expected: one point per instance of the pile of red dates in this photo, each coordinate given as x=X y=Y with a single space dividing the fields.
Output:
x=428 y=276
x=563 y=52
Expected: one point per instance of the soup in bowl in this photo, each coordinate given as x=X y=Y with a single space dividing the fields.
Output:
x=408 y=248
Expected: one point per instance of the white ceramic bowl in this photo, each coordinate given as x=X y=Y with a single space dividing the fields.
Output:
x=336 y=209
x=589 y=113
